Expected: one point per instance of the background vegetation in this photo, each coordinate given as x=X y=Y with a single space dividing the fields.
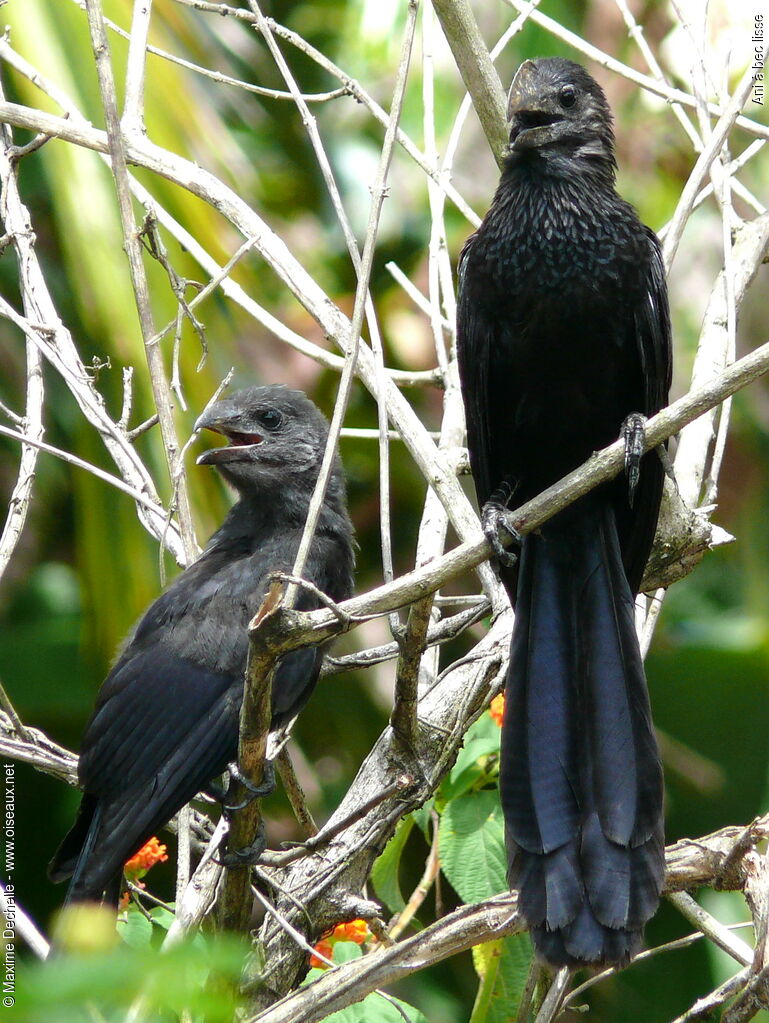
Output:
x=85 y=567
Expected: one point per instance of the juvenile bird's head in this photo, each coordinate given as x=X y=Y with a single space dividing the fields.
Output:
x=276 y=440
x=558 y=113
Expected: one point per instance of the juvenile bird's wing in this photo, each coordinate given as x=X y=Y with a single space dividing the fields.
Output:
x=166 y=721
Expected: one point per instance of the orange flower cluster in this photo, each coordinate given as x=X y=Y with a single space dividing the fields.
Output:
x=324 y=949
x=353 y=930
x=497 y=708
x=149 y=854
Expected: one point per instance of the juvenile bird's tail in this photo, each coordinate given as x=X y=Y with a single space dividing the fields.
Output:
x=73 y=857
x=581 y=779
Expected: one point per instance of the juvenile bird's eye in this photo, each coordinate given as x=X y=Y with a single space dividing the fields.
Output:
x=567 y=97
x=270 y=418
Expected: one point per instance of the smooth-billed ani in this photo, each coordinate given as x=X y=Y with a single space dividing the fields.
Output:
x=564 y=338
x=166 y=719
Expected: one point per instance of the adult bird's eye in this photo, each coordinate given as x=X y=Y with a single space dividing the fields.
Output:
x=567 y=97
x=270 y=418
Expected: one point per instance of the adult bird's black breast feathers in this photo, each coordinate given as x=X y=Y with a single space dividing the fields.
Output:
x=166 y=719
x=563 y=332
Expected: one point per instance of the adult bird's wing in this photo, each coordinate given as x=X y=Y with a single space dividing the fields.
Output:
x=484 y=345
x=475 y=335
x=651 y=324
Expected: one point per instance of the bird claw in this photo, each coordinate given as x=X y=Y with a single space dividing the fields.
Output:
x=249 y=855
x=264 y=788
x=634 y=434
x=495 y=519
x=215 y=791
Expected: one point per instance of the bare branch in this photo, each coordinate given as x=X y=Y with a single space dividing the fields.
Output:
x=478 y=73
x=689 y=863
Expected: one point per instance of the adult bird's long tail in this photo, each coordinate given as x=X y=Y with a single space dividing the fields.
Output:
x=581 y=781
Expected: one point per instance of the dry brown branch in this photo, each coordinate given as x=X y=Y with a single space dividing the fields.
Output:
x=690 y=863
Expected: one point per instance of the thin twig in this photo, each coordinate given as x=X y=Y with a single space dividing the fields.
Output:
x=18 y=726
x=709 y=153
x=23 y=925
x=118 y=159
x=133 y=106
x=353 y=87
x=379 y=192
x=712 y=928
x=551 y=1004
x=295 y=793
x=704 y=1008
x=403 y=718
x=157 y=511
x=418 y=896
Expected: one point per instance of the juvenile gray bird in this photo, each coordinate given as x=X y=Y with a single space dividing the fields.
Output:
x=166 y=719
x=564 y=339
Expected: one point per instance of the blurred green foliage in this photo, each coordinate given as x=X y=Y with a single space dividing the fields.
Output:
x=85 y=568
x=198 y=977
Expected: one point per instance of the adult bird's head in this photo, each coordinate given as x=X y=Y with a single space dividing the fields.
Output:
x=276 y=440
x=558 y=113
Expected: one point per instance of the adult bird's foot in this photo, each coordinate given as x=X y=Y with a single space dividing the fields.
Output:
x=248 y=856
x=495 y=519
x=634 y=434
x=264 y=788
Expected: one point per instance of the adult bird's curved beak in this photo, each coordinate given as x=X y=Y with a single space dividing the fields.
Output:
x=531 y=108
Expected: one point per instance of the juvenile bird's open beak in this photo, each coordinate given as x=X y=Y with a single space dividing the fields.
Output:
x=241 y=444
x=530 y=110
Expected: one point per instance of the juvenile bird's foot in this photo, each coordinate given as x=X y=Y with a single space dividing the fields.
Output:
x=265 y=788
x=248 y=856
x=495 y=519
x=633 y=433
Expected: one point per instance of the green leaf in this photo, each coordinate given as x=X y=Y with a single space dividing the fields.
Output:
x=376 y=1009
x=503 y=967
x=346 y=951
x=135 y=929
x=472 y=764
x=178 y=981
x=486 y=958
x=472 y=845
x=422 y=817
x=384 y=876
x=162 y=917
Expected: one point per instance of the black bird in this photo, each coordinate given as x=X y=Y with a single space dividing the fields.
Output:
x=166 y=719
x=564 y=343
